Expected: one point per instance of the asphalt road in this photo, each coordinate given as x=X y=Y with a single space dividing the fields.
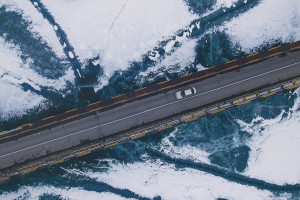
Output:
x=150 y=109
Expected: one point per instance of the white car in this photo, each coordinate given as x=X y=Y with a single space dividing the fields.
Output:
x=185 y=93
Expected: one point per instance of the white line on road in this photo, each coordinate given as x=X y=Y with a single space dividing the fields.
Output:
x=231 y=84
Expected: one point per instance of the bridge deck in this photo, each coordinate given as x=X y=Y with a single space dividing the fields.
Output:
x=146 y=110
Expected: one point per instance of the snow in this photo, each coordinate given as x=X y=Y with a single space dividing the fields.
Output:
x=13 y=99
x=119 y=31
x=270 y=20
x=176 y=60
x=225 y=3
x=275 y=147
x=36 y=192
x=183 y=151
x=39 y=26
x=71 y=55
x=55 y=27
x=13 y=72
x=152 y=178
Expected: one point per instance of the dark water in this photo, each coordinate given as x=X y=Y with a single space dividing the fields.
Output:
x=208 y=156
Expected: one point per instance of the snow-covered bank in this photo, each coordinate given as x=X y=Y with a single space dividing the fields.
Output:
x=269 y=21
x=120 y=31
x=155 y=178
x=275 y=147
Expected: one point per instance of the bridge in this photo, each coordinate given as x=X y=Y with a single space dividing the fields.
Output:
x=126 y=117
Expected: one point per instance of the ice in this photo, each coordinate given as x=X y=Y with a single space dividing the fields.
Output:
x=17 y=102
x=269 y=21
x=153 y=177
x=198 y=25
x=71 y=55
x=225 y=3
x=183 y=151
x=55 y=27
x=13 y=72
x=275 y=147
x=175 y=61
x=36 y=192
x=119 y=31
x=39 y=26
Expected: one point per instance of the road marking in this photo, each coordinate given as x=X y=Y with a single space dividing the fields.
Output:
x=84 y=148
x=217 y=111
x=141 y=95
x=207 y=75
x=193 y=119
x=141 y=89
x=94 y=103
x=251 y=55
x=162 y=82
x=295 y=86
x=295 y=48
x=42 y=126
x=110 y=145
x=293 y=42
x=234 y=66
x=24 y=125
x=4 y=179
x=83 y=154
x=135 y=137
x=250 y=96
x=120 y=101
x=71 y=117
x=48 y=118
x=56 y=162
x=267 y=95
x=231 y=61
x=95 y=109
x=29 y=171
x=138 y=131
x=272 y=48
x=252 y=61
x=117 y=96
x=31 y=165
x=186 y=75
x=196 y=95
x=243 y=103
x=161 y=129
x=275 y=54
x=71 y=110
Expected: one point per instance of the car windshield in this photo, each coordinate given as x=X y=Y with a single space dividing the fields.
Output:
x=193 y=91
x=182 y=93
